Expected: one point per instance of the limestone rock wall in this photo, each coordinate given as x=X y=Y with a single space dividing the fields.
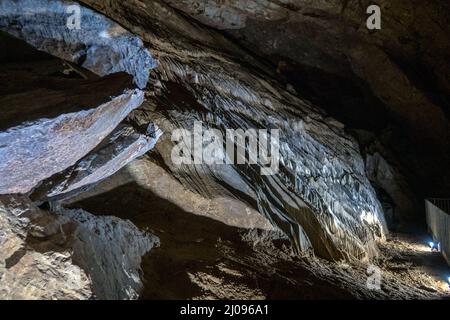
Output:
x=36 y=151
x=69 y=254
x=321 y=197
x=400 y=73
x=97 y=43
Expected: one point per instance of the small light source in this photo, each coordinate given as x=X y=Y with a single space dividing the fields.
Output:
x=435 y=246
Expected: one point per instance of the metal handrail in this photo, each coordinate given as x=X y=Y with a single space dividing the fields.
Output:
x=441 y=203
x=438 y=220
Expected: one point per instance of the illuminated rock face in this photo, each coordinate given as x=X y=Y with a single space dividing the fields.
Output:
x=394 y=80
x=69 y=254
x=321 y=198
x=121 y=147
x=50 y=117
x=99 y=44
x=35 y=151
x=62 y=130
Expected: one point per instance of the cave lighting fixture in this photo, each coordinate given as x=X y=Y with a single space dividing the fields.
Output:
x=435 y=246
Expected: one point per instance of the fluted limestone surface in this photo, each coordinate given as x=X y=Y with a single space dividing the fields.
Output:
x=321 y=196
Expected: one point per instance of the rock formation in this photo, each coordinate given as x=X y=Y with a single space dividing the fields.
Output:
x=68 y=254
x=62 y=130
x=309 y=181
x=101 y=45
x=80 y=141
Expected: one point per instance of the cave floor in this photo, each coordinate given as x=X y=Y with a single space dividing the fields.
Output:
x=407 y=258
x=202 y=258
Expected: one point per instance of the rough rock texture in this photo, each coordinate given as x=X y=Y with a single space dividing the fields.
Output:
x=57 y=143
x=402 y=205
x=321 y=197
x=384 y=176
x=120 y=148
x=148 y=175
x=62 y=128
x=215 y=222
x=99 y=45
x=37 y=85
x=63 y=112
x=397 y=76
x=110 y=249
x=28 y=272
x=228 y=251
x=70 y=254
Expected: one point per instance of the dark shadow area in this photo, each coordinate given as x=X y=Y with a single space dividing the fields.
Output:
x=410 y=152
x=349 y=101
x=15 y=50
x=194 y=246
x=177 y=97
x=39 y=85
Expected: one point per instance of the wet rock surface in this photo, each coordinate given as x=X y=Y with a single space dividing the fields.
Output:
x=53 y=114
